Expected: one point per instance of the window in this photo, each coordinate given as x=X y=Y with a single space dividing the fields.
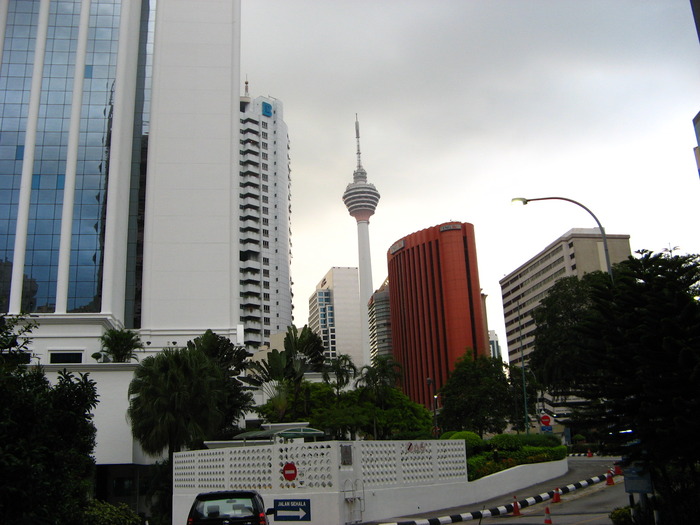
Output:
x=65 y=357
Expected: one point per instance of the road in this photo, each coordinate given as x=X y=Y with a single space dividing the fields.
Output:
x=589 y=506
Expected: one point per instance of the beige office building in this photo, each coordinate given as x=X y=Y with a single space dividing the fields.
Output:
x=577 y=252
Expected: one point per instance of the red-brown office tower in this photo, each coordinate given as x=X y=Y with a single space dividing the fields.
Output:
x=437 y=314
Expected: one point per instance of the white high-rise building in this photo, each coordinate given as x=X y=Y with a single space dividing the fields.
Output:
x=264 y=230
x=334 y=314
x=125 y=200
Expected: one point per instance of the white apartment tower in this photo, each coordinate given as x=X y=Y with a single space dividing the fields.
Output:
x=264 y=228
x=334 y=314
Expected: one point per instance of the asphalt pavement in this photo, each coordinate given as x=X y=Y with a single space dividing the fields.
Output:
x=581 y=468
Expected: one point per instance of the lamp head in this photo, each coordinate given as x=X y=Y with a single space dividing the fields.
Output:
x=520 y=199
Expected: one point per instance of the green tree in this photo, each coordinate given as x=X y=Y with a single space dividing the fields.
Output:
x=232 y=360
x=339 y=372
x=270 y=376
x=15 y=332
x=641 y=374
x=119 y=346
x=558 y=352
x=47 y=438
x=304 y=345
x=374 y=382
x=176 y=399
x=281 y=375
x=519 y=416
x=46 y=434
x=376 y=378
x=477 y=396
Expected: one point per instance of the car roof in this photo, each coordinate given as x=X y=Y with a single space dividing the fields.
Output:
x=226 y=493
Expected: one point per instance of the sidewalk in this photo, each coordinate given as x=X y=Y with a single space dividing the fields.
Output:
x=583 y=471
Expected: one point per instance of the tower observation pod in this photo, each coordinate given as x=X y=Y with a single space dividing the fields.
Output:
x=361 y=199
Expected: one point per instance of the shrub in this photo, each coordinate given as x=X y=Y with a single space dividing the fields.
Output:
x=529 y=454
x=484 y=465
x=578 y=438
x=505 y=442
x=540 y=440
x=621 y=516
x=473 y=442
x=102 y=513
x=448 y=434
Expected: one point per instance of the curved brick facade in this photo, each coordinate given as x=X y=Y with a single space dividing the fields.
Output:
x=437 y=313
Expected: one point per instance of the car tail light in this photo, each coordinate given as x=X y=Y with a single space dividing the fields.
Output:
x=263 y=519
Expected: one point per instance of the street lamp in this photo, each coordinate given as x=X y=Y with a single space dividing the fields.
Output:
x=431 y=383
x=600 y=226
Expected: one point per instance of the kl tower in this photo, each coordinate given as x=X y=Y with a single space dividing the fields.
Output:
x=361 y=199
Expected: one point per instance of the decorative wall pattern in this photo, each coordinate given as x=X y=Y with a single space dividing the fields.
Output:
x=317 y=467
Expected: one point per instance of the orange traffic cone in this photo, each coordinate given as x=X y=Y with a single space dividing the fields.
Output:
x=516 y=507
x=609 y=478
x=547 y=518
x=589 y=454
x=618 y=469
x=556 y=498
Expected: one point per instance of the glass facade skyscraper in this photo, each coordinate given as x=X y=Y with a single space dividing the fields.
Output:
x=55 y=151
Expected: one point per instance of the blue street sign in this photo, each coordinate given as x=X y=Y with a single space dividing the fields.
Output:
x=292 y=510
x=546 y=428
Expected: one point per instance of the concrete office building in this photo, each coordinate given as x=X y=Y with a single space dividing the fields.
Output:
x=437 y=312
x=361 y=199
x=379 y=310
x=124 y=199
x=334 y=314
x=577 y=252
x=495 y=345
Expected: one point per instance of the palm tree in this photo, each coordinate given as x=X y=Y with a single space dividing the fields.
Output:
x=343 y=370
x=306 y=345
x=269 y=375
x=375 y=380
x=232 y=360
x=119 y=345
x=175 y=400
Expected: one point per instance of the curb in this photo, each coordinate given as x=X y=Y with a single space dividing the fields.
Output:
x=503 y=509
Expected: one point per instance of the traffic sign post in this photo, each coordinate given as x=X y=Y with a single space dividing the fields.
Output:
x=289 y=471
x=292 y=510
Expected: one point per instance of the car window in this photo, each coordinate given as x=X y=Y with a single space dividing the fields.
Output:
x=225 y=508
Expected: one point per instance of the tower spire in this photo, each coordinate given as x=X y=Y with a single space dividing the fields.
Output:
x=357 y=137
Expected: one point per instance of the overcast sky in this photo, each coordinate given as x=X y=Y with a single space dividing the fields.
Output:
x=465 y=104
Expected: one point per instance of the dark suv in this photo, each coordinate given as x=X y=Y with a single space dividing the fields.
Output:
x=228 y=507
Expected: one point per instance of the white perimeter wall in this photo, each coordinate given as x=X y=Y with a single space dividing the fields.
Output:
x=346 y=482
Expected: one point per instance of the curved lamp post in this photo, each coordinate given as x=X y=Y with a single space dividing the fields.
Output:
x=600 y=226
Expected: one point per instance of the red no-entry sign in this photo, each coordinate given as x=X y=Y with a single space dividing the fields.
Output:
x=289 y=471
x=545 y=420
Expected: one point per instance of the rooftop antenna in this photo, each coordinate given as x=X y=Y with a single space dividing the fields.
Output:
x=357 y=136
